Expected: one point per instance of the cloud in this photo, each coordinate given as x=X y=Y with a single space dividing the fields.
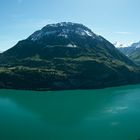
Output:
x=124 y=33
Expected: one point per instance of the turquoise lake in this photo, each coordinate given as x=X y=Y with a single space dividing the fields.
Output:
x=105 y=114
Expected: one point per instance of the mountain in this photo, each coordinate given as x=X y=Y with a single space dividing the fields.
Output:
x=65 y=56
x=133 y=52
x=62 y=40
x=121 y=45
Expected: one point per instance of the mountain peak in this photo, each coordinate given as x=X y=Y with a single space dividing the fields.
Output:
x=63 y=29
x=118 y=44
x=62 y=24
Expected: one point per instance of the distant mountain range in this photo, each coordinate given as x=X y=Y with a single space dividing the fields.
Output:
x=132 y=51
x=65 y=56
x=121 y=45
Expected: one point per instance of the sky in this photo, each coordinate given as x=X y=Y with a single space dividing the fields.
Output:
x=116 y=20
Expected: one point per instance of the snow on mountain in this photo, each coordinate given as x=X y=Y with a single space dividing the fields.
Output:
x=118 y=44
x=71 y=45
x=136 y=45
x=63 y=29
x=39 y=34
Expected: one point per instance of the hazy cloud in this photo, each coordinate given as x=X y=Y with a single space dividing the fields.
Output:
x=124 y=33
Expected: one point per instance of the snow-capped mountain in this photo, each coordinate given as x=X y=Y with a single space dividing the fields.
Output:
x=64 y=56
x=63 y=29
x=136 y=45
x=118 y=44
x=132 y=51
x=62 y=40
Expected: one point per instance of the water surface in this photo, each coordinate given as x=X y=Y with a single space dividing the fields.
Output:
x=106 y=114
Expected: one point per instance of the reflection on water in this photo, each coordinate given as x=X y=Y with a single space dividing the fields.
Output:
x=111 y=114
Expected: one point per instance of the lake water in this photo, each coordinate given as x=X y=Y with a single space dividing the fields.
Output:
x=106 y=114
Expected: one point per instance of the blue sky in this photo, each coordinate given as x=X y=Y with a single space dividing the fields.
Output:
x=116 y=20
